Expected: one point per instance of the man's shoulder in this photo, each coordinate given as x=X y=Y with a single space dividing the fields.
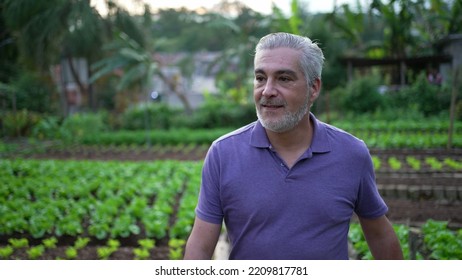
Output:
x=339 y=136
x=239 y=133
x=337 y=130
x=232 y=144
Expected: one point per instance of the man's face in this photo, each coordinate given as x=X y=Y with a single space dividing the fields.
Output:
x=281 y=94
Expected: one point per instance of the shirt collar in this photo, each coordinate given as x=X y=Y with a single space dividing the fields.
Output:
x=319 y=144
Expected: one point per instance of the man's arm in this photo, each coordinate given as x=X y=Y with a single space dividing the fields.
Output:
x=381 y=238
x=202 y=241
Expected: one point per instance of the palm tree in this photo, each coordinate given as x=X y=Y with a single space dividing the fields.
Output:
x=48 y=31
x=236 y=60
x=350 y=26
x=139 y=67
x=436 y=19
x=292 y=24
x=398 y=18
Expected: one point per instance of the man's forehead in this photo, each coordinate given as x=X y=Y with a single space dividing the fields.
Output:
x=281 y=71
x=279 y=59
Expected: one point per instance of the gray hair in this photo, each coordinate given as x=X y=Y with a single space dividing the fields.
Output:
x=312 y=58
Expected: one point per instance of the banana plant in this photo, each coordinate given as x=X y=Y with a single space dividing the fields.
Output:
x=136 y=66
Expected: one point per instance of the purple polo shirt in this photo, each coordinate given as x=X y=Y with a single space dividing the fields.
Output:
x=272 y=212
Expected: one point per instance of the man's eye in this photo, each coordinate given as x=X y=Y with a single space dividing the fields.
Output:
x=284 y=79
x=259 y=78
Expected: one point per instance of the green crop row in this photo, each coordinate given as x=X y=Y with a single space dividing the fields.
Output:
x=386 y=138
x=407 y=140
x=188 y=140
x=142 y=251
x=160 y=137
x=100 y=200
x=381 y=140
x=113 y=200
x=409 y=126
x=438 y=242
x=430 y=162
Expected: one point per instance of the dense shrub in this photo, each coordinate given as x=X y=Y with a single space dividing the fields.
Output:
x=30 y=92
x=427 y=98
x=417 y=100
x=459 y=110
x=77 y=126
x=360 y=96
x=149 y=116
x=47 y=128
x=19 y=123
x=220 y=112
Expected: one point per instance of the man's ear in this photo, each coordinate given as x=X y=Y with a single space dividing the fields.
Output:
x=315 y=90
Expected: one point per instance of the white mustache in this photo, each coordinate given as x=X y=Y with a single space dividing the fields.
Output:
x=271 y=102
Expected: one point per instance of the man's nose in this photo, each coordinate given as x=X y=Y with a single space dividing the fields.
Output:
x=269 y=89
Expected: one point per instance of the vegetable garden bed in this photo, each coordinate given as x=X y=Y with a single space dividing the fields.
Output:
x=109 y=204
x=134 y=202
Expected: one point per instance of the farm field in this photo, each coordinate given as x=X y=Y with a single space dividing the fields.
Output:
x=78 y=209
x=417 y=185
x=421 y=184
x=107 y=112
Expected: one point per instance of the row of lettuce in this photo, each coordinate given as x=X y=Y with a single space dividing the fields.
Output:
x=93 y=129
x=185 y=139
x=385 y=139
x=47 y=247
x=416 y=164
x=433 y=240
x=110 y=201
x=99 y=200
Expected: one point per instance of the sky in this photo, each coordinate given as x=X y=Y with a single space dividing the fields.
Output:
x=262 y=6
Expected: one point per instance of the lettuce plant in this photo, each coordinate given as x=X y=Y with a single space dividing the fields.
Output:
x=6 y=252
x=35 y=252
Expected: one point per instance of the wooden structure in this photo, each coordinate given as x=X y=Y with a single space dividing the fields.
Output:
x=448 y=63
x=447 y=59
x=398 y=66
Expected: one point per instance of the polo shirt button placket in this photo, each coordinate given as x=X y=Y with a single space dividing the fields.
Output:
x=284 y=166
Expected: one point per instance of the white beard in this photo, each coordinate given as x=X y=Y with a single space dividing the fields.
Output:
x=288 y=121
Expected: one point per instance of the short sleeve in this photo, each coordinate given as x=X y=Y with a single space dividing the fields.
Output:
x=209 y=206
x=369 y=203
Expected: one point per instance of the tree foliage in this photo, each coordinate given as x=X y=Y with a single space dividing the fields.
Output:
x=38 y=34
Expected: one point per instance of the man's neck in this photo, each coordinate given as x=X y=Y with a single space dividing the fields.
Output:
x=292 y=144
